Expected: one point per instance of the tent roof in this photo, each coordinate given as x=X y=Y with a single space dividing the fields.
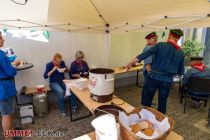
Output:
x=101 y=15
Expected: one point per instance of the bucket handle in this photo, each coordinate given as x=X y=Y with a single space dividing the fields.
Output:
x=100 y=110
x=108 y=80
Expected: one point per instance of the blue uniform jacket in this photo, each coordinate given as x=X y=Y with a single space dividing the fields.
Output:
x=76 y=68
x=56 y=75
x=167 y=61
x=7 y=87
x=147 y=60
x=193 y=72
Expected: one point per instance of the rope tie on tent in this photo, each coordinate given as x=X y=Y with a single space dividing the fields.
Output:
x=19 y=2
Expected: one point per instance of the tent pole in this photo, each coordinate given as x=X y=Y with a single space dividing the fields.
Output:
x=187 y=16
x=106 y=46
x=150 y=22
x=181 y=23
x=9 y=25
x=149 y=26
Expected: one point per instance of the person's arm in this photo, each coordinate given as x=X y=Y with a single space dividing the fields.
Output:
x=7 y=67
x=187 y=75
x=129 y=65
x=63 y=65
x=148 y=68
x=181 y=67
x=16 y=63
x=52 y=71
x=72 y=71
x=76 y=75
x=49 y=71
x=148 y=60
x=148 y=53
x=142 y=56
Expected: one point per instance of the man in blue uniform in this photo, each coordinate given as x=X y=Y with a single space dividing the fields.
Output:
x=168 y=60
x=7 y=88
x=198 y=69
x=151 y=41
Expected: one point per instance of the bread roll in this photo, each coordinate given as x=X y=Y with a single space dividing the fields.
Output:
x=145 y=124
x=142 y=125
x=135 y=128
x=148 y=131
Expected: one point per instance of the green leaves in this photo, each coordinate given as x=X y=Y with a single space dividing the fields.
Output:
x=192 y=48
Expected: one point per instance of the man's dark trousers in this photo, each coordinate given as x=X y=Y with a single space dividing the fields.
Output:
x=163 y=88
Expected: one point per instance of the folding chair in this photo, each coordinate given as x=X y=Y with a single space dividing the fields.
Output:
x=196 y=84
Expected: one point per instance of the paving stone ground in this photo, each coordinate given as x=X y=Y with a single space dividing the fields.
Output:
x=131 y=94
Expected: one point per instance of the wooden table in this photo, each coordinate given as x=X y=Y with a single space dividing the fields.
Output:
x=138 y=69
x=172 y=136
x=121 y=70
x=91 y=105
x=24 y=67
x=84 y=97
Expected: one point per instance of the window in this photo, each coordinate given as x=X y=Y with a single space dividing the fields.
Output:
x=42 y=36
x=206 y=52
x=194 y=33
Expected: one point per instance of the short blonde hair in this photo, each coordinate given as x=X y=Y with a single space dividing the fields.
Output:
x=57 y=55
x=79 y=54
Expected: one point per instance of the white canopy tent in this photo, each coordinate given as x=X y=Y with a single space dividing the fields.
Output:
x=104 y=15
x=94 y=16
